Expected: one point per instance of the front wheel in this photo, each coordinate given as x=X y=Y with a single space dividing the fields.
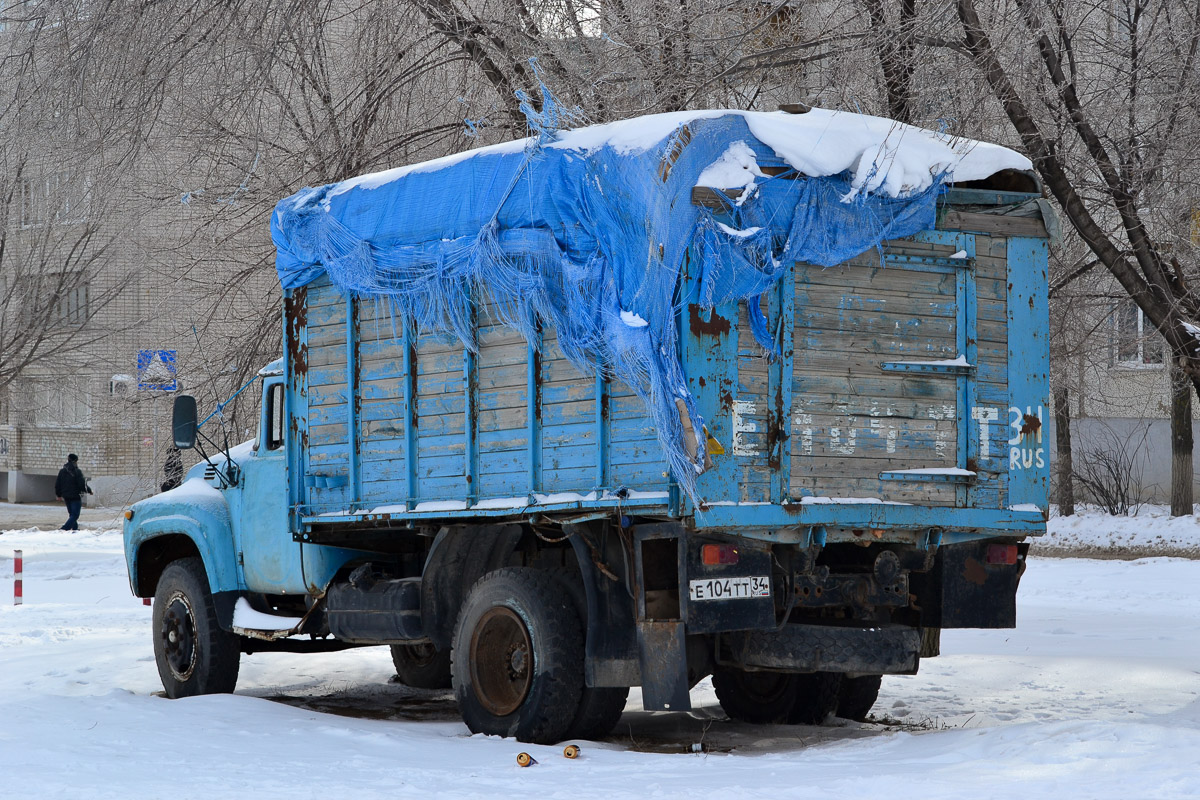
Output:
x=517 y=659
x=194 y=655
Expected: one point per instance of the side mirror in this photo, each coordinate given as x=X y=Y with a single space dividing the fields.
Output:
x=183 y=421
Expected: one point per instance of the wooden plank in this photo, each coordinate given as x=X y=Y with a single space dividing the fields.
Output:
x=847 y=486
x=997 y=224
x=896 y=304
x=850 y=388
x=862 y=279
x=328 y=355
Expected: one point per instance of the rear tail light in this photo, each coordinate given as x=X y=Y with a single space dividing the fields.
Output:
x=713 y=554
x=1002 y=554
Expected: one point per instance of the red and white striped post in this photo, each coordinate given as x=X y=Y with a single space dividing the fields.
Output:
x=17 y=570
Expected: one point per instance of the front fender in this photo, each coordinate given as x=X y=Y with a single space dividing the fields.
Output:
x=197 y=511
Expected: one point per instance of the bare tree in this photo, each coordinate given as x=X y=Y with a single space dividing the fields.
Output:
x=55 y=180
x=625 y=57
x=1108 y=118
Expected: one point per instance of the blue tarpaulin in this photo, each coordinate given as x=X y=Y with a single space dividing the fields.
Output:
x=588 y=235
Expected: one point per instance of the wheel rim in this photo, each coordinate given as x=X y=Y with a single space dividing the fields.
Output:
x=766 y=687
x=501 y=661
x=178 y=634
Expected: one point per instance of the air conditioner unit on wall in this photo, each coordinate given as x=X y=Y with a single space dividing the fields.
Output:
x=122 y=386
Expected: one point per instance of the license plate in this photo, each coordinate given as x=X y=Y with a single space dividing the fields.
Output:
x=729 y=588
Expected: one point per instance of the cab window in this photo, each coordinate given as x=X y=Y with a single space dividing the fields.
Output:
x=275 y=418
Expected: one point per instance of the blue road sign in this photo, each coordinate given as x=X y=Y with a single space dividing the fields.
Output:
x=156 y=370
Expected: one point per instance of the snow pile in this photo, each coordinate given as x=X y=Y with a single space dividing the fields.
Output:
x=1091 y=531
x=735 y=169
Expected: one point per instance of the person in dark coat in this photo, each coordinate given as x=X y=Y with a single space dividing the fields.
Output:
x=70 y=488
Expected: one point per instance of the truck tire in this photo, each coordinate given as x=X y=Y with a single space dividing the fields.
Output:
x=817 y=695
x=517 y=660
x=600 y=707
x=422 y=666
x=194 y=655
x=754 y=696
x=857 y=695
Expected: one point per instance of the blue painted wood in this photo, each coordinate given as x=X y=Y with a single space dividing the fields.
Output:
x=967 y=340
x=927 y=263
x=781 y=384
x=471 y=417
x=709 y=339
x=927 y=477
x=985 y=197
x=295 y=348
x=353 y=401
x=411 y=454
x=928 y=369
x=1028 y=374
x=602 y=429
x=512 y=419
x=865 y=515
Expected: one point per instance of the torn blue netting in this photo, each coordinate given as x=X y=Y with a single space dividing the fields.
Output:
x=590 y=241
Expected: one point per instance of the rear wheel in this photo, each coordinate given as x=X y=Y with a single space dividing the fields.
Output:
x=517 y=661
x=758 y=697
x=422 y=666
x=194 y=655
x=857 y=695
x=816 y=697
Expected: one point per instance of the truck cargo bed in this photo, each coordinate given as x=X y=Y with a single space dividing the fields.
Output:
x=909 y=394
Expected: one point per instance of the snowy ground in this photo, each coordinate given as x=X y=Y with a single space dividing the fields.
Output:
x=1095 y=695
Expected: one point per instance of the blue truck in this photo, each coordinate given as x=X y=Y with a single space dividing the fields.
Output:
x=755 y=396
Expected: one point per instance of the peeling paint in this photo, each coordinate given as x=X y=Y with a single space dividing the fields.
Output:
x=803 y=423
x=742 y=410
x=835 y=441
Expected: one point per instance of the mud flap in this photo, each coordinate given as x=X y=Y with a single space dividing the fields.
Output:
x=663 y=655
x=972 y=585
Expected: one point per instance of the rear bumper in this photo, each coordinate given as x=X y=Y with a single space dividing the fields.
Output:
x=878 y=650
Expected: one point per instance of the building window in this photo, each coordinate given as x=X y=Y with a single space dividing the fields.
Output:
x=1135 y=341
x=33 y=206
x=56 y=300
x=60 y=403
x=58 y=196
